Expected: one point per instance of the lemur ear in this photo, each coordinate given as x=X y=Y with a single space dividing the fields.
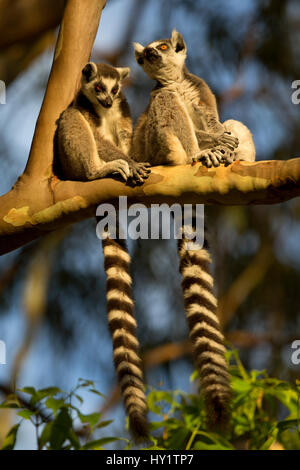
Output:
x=89 y=71
x=124 y=72
x=178 y=42
x=139 y=52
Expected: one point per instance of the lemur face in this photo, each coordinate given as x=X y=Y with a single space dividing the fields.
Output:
x=163 y=57
x=101 y=83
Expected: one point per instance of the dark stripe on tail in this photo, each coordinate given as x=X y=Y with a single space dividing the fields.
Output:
x=122 y=325
x=208 y=341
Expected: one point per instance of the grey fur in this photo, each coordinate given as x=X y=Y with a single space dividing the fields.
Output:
x=94 y=133
x=94 y=138
x=181 y=123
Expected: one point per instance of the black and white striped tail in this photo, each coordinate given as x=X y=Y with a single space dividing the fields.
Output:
x=207 y=339
x=122 y=325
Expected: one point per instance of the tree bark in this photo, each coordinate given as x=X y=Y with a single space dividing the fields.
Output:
x=39 y=203
x=37 y=206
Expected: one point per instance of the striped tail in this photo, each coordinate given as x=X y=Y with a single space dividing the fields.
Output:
x=205 y=334
x=122 y=325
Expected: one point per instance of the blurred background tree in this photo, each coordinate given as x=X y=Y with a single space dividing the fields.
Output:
x=52 y=306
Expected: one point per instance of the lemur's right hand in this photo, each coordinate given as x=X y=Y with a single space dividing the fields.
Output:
x=120 y=166
x=139 y=172
x=228 y=140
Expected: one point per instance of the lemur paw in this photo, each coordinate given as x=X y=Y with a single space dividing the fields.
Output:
x=229 y=141
x=227 y=154
x=210 y=157
x=215 y=156
x=121 y=166
x=139 y=172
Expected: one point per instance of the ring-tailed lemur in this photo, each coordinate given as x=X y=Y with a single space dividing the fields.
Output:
x=94 y=137
x=181 y=125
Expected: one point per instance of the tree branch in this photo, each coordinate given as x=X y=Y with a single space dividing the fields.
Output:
x=39 y=203
x=37 y=206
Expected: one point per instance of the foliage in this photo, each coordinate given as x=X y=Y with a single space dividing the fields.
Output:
x=257 y=402
x=55 y=415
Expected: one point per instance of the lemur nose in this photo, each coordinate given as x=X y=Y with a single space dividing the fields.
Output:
x=107 y=102
x=149 y=52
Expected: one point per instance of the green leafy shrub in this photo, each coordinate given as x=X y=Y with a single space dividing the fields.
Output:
x=54 y=414
x=257 y=402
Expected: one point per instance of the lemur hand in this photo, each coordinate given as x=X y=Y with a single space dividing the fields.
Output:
x=215 y=156
x=139 y=172
x=228 y=140
x=120 y=166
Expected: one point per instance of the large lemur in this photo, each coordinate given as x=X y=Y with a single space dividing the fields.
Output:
x=181 y=125
x=93 y=138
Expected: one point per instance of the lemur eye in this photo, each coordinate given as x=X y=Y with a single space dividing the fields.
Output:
x=164 y=47
x=115 y=90
x=99 y=88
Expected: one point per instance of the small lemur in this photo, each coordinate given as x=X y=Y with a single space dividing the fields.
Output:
x=180 y=126
x=93 y=140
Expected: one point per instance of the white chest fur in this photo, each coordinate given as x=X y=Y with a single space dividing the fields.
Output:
x=108 y=127
x=188 y=95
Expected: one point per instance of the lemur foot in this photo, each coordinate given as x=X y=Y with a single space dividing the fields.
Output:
x=215 y=156
x=139 y=172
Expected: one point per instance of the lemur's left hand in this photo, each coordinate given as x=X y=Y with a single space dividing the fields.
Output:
x=228 y=140
x=139 y=172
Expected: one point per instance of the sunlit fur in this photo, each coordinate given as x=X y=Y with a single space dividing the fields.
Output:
x=94 y=137
x=181 y=125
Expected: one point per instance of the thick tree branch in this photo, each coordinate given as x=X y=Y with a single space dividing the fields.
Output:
x=40 y=203
x=38 y=206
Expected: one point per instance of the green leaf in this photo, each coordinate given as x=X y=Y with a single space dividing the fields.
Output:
x=93 y=390
x=60 y=429
x=26 y=414
x=288 y=424
x=103 y=424
x=55 y=404
x=156 y=396
x=203 y=446
x=99 y=443
x=10 y=404
x=79 y=398
x=50 y=391
x=46 y=434
x=73 y=439
x=242 y=370
x=92 y=419
x=240 y=386
x=10 y=440
x=178 y=438
x=43 y=393
x=194 y=376
x=29 y=390
x=86 y=383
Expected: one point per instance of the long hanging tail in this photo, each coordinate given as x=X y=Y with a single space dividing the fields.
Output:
x=122 y=325
x=208 y=341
